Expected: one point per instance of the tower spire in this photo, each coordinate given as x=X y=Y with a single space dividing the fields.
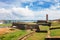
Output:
x=46 y=17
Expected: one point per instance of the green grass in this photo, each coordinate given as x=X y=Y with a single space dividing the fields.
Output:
x=43 y=27
x=5 y=24
x=55 y=32
x=54 y=26
x=13 y=35
x=55 y=23
x=37 y=36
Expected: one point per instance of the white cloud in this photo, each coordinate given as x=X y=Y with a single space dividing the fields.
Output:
x=6 y=5
x=23 y=11
x=27 y=0
x=8 y=13
x=53 y=14
x=41 y=3
x=27 y=13
x=57 y=0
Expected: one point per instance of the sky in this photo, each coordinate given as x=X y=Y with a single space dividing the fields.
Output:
x=29 y=9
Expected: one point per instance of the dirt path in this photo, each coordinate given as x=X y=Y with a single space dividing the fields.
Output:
x=26 y=36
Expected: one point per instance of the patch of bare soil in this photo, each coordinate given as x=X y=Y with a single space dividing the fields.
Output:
x=5 y=30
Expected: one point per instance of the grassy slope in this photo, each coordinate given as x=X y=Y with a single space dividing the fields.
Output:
x=36 y=36
x=13 y=35
x=39 y=36
x=55 y=24
x=55 y=32
x=43 y=27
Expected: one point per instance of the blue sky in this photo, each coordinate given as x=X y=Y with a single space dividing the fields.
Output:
x=29 y=9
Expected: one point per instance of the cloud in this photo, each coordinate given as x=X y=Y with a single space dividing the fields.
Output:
x=27 y=0
x=14 y=10
x=6 y=11
x=23 y=11
x=5 y=5
x=6 y=14
x=17 y=13
x=53 y=13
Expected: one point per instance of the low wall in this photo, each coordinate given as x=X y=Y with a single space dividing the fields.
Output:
x=52 y=38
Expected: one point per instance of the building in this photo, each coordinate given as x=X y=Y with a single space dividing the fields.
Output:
x=2 y=21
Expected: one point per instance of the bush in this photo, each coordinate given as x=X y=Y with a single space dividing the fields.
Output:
x=12 y=29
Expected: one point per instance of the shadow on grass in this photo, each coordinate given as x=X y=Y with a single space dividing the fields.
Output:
x=42 y=31
x=54 y=28
x=52 y=38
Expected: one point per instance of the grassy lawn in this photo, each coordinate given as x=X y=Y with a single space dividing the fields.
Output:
x=43 y=27
x=13 y=36
x=5 y=24
x=55 y=24
x=37 y=36
x=55 y=32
